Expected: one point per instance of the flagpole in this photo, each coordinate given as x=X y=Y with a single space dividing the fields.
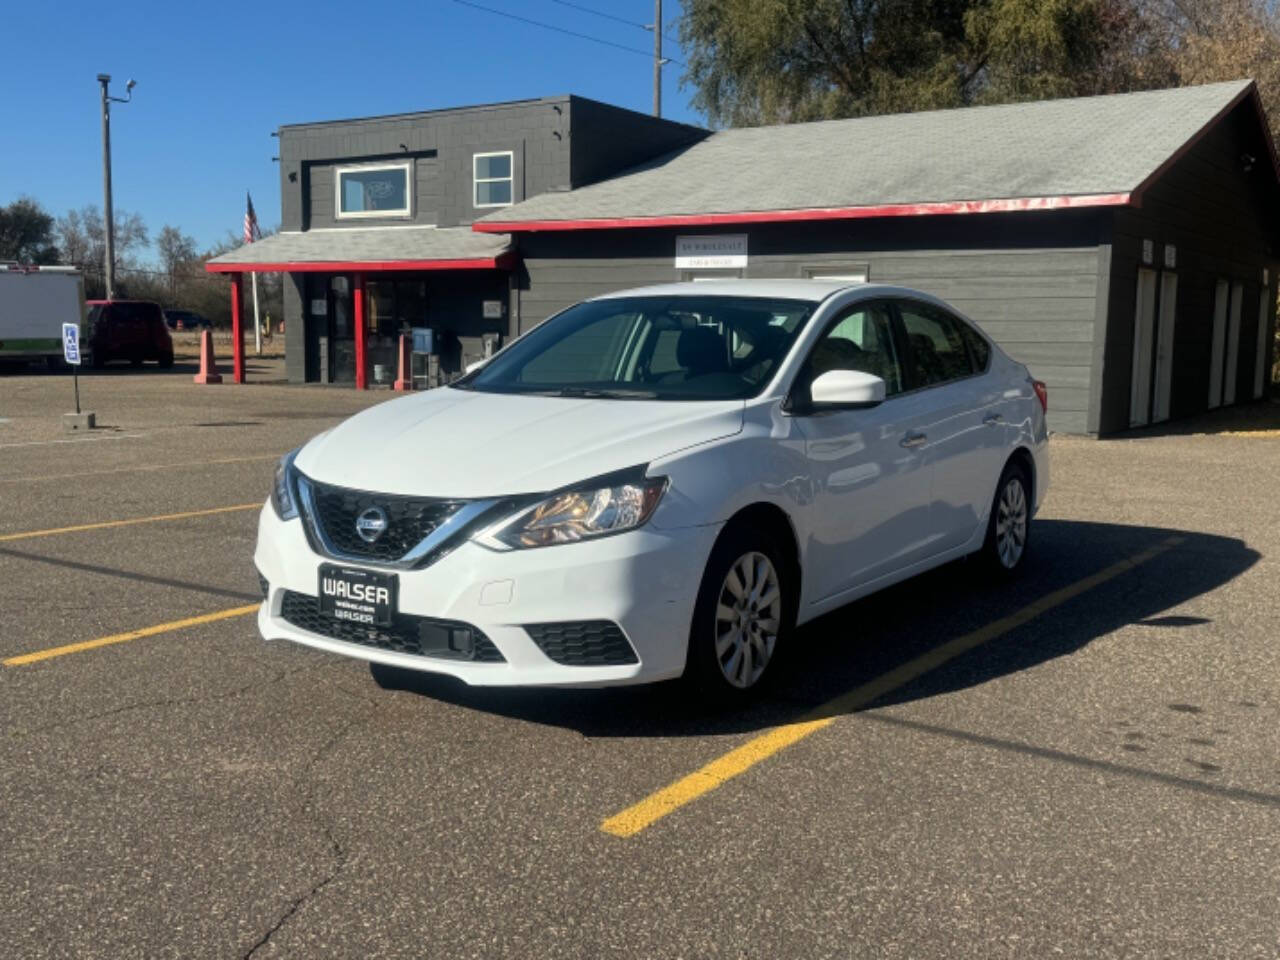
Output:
x=257 y=325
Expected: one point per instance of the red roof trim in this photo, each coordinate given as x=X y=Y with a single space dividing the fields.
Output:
x=368 y=266
x=939 y=208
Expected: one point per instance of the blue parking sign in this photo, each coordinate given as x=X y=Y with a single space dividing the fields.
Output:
x=71 y=342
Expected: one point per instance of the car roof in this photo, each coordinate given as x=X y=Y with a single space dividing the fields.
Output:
x=814 y=291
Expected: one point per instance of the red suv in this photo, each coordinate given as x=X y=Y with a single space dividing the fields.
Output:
x=132 y=330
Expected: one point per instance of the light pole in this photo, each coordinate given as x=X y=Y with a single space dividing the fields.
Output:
x=108 y=216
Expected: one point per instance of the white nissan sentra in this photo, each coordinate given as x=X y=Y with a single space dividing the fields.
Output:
x=657 y=482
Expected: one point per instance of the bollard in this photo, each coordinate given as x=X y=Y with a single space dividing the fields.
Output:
x=404 y=375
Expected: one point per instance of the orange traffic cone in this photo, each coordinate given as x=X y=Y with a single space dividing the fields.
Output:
x=208 y=365
x=404 y=377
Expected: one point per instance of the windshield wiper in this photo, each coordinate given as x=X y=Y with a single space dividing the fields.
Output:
x=597 y=393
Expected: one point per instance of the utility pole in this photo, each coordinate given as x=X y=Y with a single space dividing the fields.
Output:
x=108 y=221
x=657 y=58
x=108 y=215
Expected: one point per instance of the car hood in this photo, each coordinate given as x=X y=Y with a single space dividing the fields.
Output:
x=462 y=443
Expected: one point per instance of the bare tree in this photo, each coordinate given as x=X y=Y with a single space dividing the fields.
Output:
x=176 y=250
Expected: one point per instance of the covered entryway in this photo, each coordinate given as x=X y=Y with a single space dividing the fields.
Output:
x=361 y=289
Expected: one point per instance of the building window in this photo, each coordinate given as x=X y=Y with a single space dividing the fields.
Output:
x=381 y=190
x=840 y=272
x=493 y=179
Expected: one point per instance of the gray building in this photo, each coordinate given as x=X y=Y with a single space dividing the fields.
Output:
x=1124 y=247
x=375 y=234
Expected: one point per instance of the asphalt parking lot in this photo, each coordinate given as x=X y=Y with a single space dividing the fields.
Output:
x=1086 y=763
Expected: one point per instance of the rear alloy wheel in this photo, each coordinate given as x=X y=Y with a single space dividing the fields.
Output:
x=740 y=617
x=1010 y=523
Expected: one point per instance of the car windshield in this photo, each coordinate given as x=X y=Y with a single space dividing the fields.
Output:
x=685 y=347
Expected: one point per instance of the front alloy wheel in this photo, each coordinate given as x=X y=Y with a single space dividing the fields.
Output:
x=742 y=617
x=748 y=617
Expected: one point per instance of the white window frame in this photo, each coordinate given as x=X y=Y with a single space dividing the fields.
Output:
x=839 y=272
x=401 y=212
x=476 y=181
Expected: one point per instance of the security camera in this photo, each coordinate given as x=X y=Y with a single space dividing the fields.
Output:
x=130 y=85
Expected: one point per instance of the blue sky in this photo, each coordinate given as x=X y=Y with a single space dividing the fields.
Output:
x=214 y=81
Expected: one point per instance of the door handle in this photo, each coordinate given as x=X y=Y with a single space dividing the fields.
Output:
x=913 y=439
x=991 y=419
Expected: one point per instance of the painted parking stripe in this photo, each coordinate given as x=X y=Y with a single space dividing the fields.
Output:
x=170 y=627
x=108 y=524
x=146 y=468
x=45 y=443
x=667 y=800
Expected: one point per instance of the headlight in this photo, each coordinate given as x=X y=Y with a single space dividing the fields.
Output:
x=283 y=496
x=596 y=509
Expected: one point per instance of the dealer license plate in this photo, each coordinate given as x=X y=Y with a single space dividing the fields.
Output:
x=357 y=596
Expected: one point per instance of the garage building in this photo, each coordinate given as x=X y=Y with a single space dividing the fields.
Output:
x=1124 y=247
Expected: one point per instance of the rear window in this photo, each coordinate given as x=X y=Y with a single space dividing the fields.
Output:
x=146 y=312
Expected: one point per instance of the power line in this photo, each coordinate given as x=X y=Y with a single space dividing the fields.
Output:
x=572 y=33
x=609 y=16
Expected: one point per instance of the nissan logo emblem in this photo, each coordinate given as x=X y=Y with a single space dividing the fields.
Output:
x=371 y=523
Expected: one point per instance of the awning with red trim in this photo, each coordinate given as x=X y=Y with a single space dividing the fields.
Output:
x=368 y=250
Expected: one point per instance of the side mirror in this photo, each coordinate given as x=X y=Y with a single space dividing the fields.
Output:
x=846 y=390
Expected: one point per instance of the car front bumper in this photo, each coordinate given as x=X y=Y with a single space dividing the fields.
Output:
x=645 y=581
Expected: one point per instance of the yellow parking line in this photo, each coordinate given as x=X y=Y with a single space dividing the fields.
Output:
x=28 y=534
x=737 y=761
x=62 y=651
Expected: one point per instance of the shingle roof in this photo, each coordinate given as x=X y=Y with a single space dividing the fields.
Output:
x=385 y=247
x=1047 y=153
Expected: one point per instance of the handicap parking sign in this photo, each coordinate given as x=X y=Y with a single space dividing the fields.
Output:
x=71 y=342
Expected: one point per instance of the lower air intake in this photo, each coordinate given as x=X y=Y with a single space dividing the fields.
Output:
x=418 y=636
x=583 y=643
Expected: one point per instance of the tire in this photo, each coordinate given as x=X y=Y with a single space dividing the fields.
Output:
x=1004 y=551
x=99 y=360
x=731 y=629
x=166 y=361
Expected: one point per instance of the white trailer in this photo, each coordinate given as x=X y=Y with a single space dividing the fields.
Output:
x=34 y=304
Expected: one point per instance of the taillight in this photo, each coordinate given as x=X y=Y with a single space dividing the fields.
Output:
x=1042 y=394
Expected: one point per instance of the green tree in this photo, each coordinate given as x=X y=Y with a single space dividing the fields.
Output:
x=778 y=61
x=26 y=233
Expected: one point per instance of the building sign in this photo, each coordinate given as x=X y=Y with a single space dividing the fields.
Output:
x=711 y=252
x=1170 y=256
x=1148 y=252
x=492 y=309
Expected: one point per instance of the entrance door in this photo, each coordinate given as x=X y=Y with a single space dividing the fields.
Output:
x=1164 y=346
x=1233 y=344
x=342 y=335
x=1221 y=301
x=1260 y=358
x=1144 y=323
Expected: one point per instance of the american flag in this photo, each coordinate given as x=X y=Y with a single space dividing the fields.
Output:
x=251 y=231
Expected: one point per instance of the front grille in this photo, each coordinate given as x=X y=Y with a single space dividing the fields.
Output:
x=583 y=643
x=410 y=520
x=419 y=636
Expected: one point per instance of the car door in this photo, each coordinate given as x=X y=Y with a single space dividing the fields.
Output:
x=964 y=418
x=869 y=513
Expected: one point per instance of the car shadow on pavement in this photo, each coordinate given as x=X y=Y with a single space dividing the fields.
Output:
x=864 y=640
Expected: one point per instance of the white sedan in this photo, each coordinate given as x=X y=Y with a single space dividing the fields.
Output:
x=655 y=483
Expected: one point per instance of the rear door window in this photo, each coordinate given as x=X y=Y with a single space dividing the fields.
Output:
x=936 y=344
